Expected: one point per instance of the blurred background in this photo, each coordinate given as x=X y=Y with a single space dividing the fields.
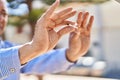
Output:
x=103 y=58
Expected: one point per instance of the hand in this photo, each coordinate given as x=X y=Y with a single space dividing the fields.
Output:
x=41 y=38
x=79 y=40
x=40 y=42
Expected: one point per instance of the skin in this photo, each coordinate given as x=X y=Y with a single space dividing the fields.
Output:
x=3 y=17
x=43 y=36
x=79 y=40
x=47 y=37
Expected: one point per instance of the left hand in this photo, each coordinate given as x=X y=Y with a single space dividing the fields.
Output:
x=79 y=41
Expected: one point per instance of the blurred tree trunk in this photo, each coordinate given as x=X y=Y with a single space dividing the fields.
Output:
x=33 y=16
x=29 y=3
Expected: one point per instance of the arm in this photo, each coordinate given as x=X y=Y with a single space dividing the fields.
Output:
x=39 y=43
x=60 y=60
x=52 y=62
x=42 y=40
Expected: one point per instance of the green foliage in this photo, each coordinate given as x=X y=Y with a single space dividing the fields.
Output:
x=17 y=20
x=32 y=17
x=35 y=14
x=49 y=2
x=10 y=0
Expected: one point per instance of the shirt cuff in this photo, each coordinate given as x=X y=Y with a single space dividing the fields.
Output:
x=62 y=60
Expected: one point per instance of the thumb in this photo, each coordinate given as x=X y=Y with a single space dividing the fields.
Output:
x=65 y=30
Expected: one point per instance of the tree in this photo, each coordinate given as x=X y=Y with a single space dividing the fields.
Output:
x=49 y=2
x=34 y=14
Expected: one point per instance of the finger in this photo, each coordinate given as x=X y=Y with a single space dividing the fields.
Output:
x=85 y=18
x=68 y=22
x=49 y=12
x=61 y=13
x=79 y=19
x=64 y=23
x=89 y=26
x=49 y=28
x=53 y=25
x=65 y=30
x=65 y=17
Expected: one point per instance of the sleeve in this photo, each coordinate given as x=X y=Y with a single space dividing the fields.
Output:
x=51 y=62
x=9 y=62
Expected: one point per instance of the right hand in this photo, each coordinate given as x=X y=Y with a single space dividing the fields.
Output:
x=56 y=19
x=40 y=42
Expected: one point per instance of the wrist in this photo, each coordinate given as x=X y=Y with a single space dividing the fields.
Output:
x=40 y=47
x=28 y=51
x=69 y=57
